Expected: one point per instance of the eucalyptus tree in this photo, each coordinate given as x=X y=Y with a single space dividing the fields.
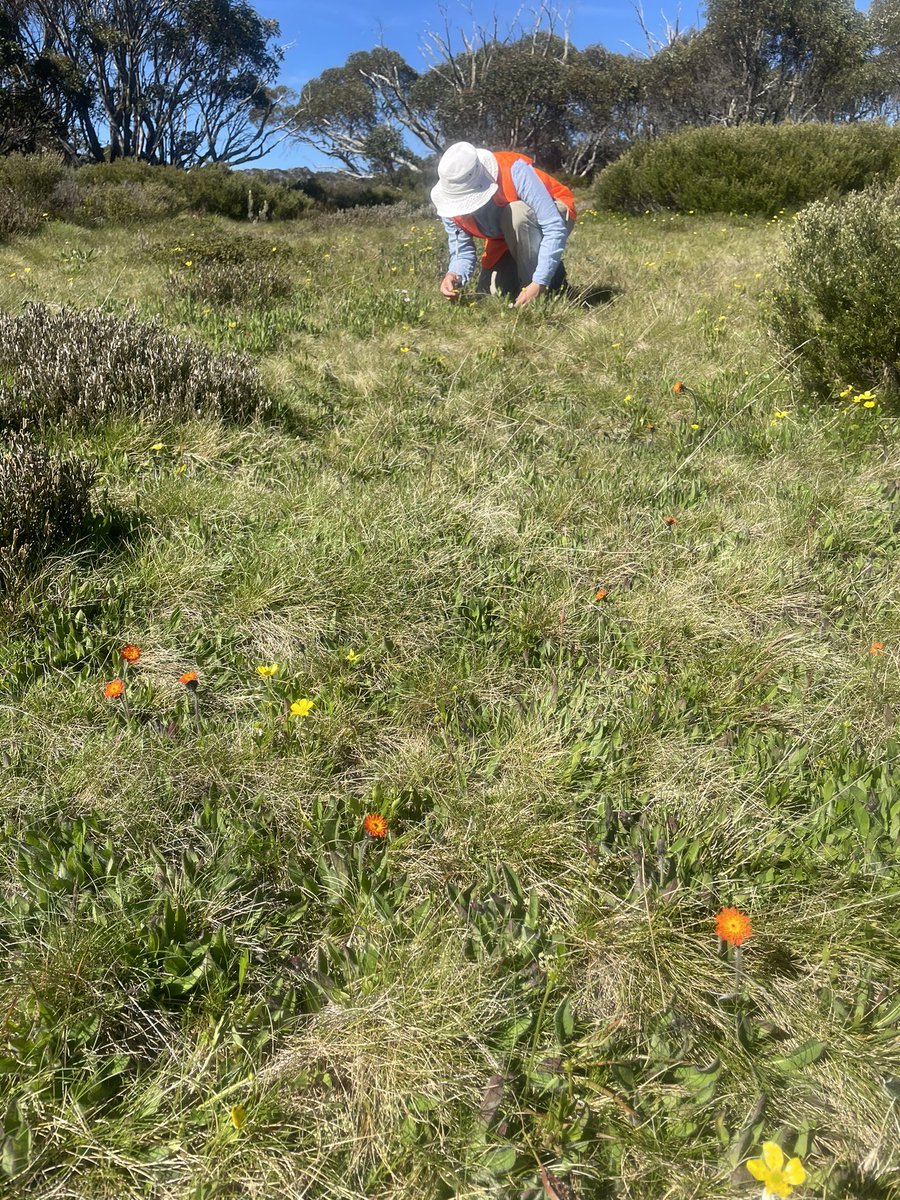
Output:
x=184 y=82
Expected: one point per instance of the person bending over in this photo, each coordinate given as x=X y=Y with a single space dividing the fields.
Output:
x=524 y=215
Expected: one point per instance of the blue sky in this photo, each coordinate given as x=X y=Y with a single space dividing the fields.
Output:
x=321 y=33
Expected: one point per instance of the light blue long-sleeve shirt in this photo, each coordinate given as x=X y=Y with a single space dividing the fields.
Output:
x=532 y=191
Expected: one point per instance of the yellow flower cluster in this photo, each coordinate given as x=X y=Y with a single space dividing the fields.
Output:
x=867 y=398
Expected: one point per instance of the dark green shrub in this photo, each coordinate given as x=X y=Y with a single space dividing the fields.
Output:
x=838 y=305
x=77 y=366
x=750 y=168
x=218 y=190
x=32 y=187
x=336 y=193
x=43 y=502
x=213 y=189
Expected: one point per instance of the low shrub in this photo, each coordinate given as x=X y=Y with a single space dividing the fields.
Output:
x=77 y=366
x=43 y=503
x=252 y=284
x=215 y=189
x=750 y=168
x=838 y=305
x=117 y=190
x=32 y=187
x=130 y=202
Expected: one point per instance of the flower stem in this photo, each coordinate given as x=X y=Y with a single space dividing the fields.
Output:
x=738 y=967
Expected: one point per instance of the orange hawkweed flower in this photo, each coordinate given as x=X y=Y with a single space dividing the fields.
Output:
x=670 y=521
x=876 y=648
x=375 y=825
x=114 y=689
x=733 y=926
x=130 y=653
x=600 y=594
x=190 y=679
x=677 y=387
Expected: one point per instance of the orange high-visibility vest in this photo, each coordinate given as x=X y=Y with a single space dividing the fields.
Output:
x=506 y=193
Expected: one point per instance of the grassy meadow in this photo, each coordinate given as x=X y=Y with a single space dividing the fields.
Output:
x=607 y=657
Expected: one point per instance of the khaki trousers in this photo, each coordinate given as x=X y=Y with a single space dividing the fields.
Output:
x=523 y=235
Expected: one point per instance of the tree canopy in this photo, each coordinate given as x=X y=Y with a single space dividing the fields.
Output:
x=182 y=82
x=577 y=109
x=196 y=81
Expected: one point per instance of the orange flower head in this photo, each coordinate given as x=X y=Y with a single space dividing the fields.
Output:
x=600 y=594
x=375 y=825
x=190 y=679
x=114 y=689
x=670 y=521
x=677 y=387
x=733 y=926
x=131 y=653
x=877 y=648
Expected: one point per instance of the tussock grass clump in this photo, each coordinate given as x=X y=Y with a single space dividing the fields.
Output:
x=751 y=168
x=43 y=502
x=253 y=283
x=75 y=367
x=838 y=302
x=227 y=244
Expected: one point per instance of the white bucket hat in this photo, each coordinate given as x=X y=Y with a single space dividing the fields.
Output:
x=467 y=178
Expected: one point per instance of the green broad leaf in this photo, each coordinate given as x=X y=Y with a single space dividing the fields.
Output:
x=564 y=1022
x=803 y=1056
x=512 y=1034
x=16 y=1151
x=243 y=967
x=513 y=883
x=500 y=1160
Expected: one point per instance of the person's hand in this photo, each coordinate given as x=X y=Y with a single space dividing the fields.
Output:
x=450 y=286
x=528 y=294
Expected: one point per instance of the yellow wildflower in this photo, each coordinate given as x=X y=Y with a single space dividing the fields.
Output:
x=847 y=390
x=351 y=656
x=302 y=708
x=267 y=671
x=779 y=1177
x=157 y=446
x=238 y=1116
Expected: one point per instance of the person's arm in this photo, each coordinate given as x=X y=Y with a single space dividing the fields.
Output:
x=462 y=252
x=531 y=189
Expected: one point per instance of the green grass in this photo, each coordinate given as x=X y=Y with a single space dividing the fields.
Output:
x=526 y=971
